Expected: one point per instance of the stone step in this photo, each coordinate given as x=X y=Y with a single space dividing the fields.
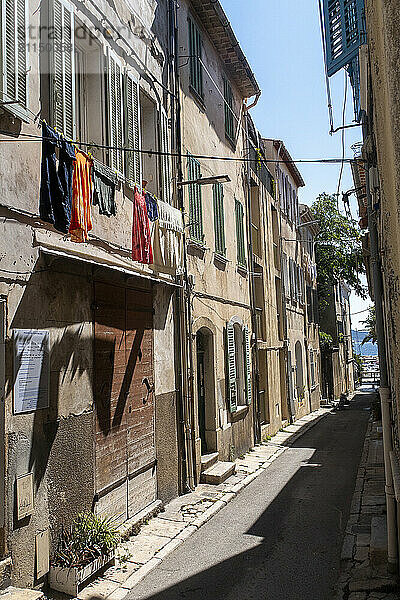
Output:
x=13 y=593
x=218 y=473
x=378 y=544
x=208 y=460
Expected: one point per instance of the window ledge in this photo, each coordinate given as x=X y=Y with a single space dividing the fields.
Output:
x=241 y=270
x=220 y=260
x=240 y=413
x=197 y=98
x=196 y=248
x=18 y=111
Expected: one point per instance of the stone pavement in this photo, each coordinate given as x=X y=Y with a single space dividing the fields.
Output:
x=364 y=574
x=184 y=515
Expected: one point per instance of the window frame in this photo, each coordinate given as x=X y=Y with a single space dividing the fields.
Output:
x=195 y=45
x=229 y=119
x=196 y=231
x=219 y=219
x=240 y=238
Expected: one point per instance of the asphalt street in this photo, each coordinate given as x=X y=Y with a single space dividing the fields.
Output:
x=281 y=538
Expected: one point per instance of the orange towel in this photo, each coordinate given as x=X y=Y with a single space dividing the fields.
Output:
x=81 y=221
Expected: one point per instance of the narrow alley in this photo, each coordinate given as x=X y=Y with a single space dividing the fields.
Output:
x=281 y=538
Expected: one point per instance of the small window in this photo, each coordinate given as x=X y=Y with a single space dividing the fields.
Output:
x=195 y=202
x=229 y=115
x=196 y=69
x=238 y=364
x=14 y=57
x=240 y=243
x=115 y=111
x=219 y=225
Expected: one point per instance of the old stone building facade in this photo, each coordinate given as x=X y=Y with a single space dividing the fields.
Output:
x=122 y=382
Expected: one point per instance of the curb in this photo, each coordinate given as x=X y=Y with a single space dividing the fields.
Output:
x=123 y=589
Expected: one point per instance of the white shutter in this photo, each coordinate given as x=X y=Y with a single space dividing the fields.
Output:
x=165 y=158
x=133 y=160
x=14 y=20
x=63 y=68
x=230 y=342
x=114 y=78
x=247 y=364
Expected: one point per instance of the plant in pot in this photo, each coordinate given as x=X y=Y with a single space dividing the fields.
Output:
x=83 y=549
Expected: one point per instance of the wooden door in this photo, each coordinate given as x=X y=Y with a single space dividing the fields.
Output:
x=124 y=400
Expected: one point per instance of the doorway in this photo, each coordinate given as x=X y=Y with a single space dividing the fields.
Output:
x=205 y=388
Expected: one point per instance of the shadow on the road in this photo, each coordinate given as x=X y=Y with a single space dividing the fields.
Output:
x=300 y=532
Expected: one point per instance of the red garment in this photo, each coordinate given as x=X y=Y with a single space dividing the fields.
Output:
x=141 y=241
x=81 y=221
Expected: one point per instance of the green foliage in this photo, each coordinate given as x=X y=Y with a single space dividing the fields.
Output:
x=370 y=323
x=88 y=538
x=338 y=249
x=325 y=340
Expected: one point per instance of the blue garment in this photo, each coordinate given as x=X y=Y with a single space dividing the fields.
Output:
x=56 y=183
x=152 y=206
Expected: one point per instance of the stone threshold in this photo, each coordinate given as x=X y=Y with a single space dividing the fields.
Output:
x=160 y=535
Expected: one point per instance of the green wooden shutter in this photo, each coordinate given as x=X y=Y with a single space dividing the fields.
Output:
x=219 y=226
x=62 y=82
x=240 y=243
x=165 y=160
x=195 y=49
x=231 y=360
x=133 y=162
x=195 y=202
x=344 y=30
x=247 y=364
x=228 y=106
x=114 y=77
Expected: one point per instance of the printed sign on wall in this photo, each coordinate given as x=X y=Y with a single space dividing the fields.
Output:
x=31 y=370
x=24 y=495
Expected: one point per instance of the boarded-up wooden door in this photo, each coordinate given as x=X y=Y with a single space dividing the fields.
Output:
x=124 y=400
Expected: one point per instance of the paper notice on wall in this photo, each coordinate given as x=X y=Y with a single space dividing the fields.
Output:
x=42 y=553
x=31 y=370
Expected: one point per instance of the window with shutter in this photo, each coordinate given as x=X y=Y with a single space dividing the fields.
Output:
x=195 y=202
x=219 y=226
x=14 y=86
x=62 y=79
x=133 y=163
x=240 y=243
x=115 y=95
x=165 y=160
x=344 y=30
x=195 y=50
x=247 y=363
x=231 y=366
x=228 y=106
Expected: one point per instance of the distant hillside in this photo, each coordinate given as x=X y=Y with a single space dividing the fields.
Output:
x=367 y=349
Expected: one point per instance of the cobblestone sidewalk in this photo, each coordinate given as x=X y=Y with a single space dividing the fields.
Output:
x=364 y=574
x=184 y=515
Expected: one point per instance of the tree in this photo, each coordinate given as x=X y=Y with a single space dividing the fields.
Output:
x=338 y=249
x=370 y=323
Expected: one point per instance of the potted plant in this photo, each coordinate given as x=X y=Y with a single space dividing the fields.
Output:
x=83 y=549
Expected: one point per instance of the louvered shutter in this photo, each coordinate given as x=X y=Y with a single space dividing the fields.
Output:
x=219 y=226
x=247 y=364
x=115 y=95
x=165 y=158
x=344 y=28
x=231 y=360
x=195 y=201
x=62 y=82
x=133 y=160
x=14 y=54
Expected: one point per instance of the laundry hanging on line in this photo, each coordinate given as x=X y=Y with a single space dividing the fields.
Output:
x=104 y=183
x=168 y=237
x=152 y=206
x=142 y=250
x=81 y=219
x=56 y=182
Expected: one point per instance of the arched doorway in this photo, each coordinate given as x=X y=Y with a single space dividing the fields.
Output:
x=205 y=386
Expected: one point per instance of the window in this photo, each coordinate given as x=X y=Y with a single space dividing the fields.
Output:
x=285 y=276
x=133 y=160
x=195 y=202
x=115 y=111
x=229 y=117
x=14 y=56
x=219 y=226
x=312 y=368
x=196 y=69
x=165 y=169
x=240 y=244
x=62 y=68
x=238 y=364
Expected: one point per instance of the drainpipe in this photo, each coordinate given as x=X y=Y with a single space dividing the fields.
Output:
x=384 y=390
x=184 y=301
x=252 y=291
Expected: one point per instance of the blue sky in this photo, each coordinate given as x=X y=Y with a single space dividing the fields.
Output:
x=282 y=42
